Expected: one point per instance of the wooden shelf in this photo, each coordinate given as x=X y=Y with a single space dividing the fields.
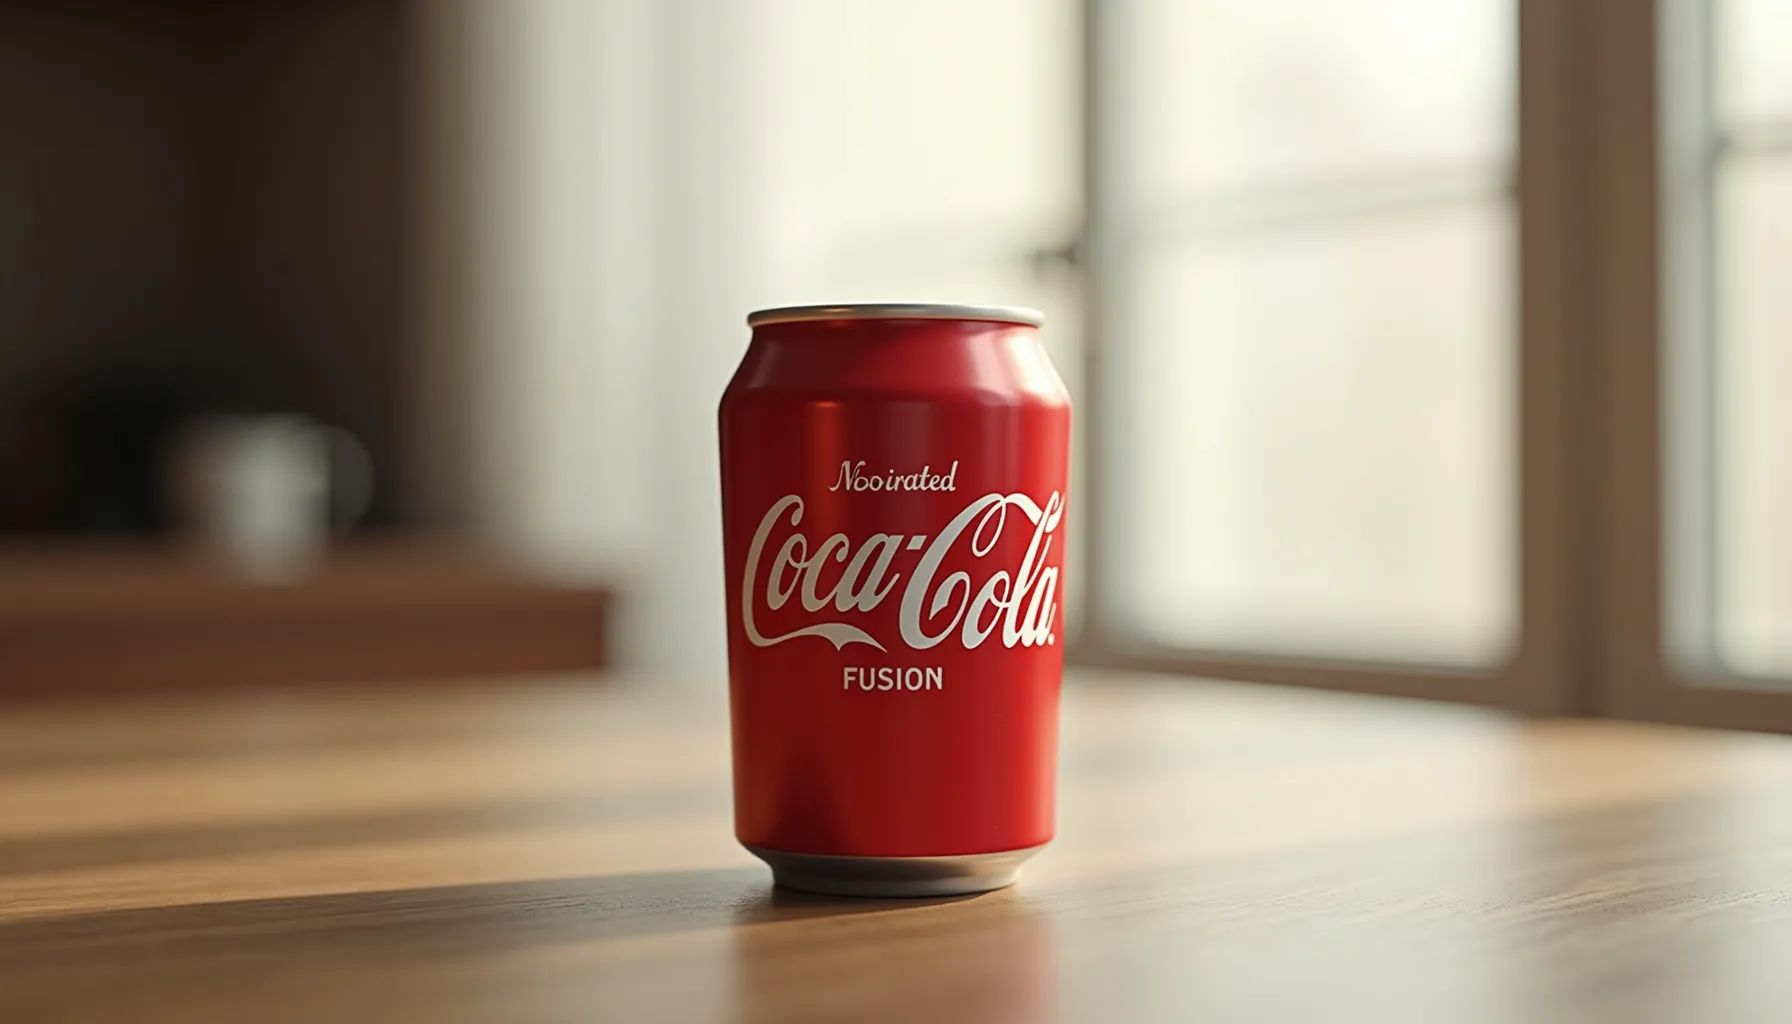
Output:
x=110 y=619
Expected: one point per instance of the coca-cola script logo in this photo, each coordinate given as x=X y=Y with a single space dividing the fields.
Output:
x=1023 y=603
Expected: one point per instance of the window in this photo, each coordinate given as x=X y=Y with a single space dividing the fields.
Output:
x=1309 y=343
x=1312 y=382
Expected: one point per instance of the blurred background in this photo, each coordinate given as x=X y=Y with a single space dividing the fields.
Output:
x=356 y=340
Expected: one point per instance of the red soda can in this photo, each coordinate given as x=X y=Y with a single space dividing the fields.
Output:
x=894 y=480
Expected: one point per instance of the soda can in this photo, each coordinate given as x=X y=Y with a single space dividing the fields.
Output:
x=894 y=480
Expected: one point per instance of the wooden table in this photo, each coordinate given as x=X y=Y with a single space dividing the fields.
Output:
x=557 y=850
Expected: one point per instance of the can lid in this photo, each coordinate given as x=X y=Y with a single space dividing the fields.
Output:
x=896 y=311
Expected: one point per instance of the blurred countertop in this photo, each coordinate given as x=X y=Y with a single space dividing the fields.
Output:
x=538 y=848
x=84 y=617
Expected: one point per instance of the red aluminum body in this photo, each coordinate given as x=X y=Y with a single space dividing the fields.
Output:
x=893 y=496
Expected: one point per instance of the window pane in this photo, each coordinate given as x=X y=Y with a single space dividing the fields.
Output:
x=1754 y=417
x=1754 y=79
x=898 y=116
x=1237 y=94
x=1317 y=453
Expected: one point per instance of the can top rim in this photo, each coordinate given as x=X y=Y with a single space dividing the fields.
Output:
x=896 y=311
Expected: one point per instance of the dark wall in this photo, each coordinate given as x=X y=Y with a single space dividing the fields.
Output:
x=200 y=210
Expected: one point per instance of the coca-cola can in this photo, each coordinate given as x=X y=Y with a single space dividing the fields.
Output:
x=894 y=480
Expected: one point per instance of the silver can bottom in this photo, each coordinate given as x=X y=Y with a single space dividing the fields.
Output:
x=894 y=876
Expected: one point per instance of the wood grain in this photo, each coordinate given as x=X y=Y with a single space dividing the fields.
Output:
x=547 y=850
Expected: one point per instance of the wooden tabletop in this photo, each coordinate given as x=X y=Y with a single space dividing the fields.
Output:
x=559 y=850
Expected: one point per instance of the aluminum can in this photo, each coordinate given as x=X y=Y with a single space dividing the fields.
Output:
x=894 y=480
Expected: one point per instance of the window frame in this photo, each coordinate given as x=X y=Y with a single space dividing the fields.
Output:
x=1657 y=659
